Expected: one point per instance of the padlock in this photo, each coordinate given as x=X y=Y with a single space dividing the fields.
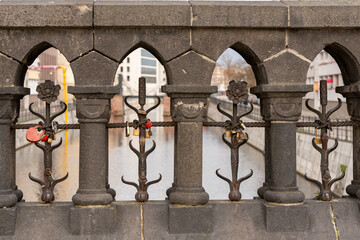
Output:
x=243 y=136
x=317 y=139
x=148 y=124
x=227 y=133
x=45 y=138
x=49 y=140
x=127 y=132
x=136 y=132
x=54 y=136
x=142 y=112
x=147 y=135
x=35 y=134
x=242 y=125
x=51 y=176
x=150 y=133
x=54 y=126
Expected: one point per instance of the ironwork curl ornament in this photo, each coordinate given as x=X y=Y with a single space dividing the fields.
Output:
x=237 y=92
x=324 y=124
x=48 y=92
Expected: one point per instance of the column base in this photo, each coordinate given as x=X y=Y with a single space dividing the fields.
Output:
x=191 y=219
x=92 y=220
x=293 y=218
x=110 y=191
x=19 y=194
x=192 y=196
x=284 y=196
x=7 y=198
x=87 y=197
x=353 y=188
x=261 y=191
x=170 y=190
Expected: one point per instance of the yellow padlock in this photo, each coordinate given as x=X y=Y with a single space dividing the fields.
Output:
x=317 y=139
x=136 y=132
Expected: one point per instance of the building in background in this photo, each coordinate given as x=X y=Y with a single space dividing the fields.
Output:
x=324 y=67
x=140 y=63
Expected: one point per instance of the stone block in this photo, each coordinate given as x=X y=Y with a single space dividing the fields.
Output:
x=73 y=43
x=286 y=218
x=8 y=68
x=156 y=220
x=8 y=221
x=347 y=216
x=213 y=42
x=165 y=44
x=191 y=219
x=141 y=13
x=239 y=14
x=191 y=69
x=94 y=69
x=92 y=220
x=324 y=13
x=38 y=13
x=128 y=220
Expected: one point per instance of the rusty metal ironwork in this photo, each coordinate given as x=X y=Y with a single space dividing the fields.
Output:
x=142 y=195
x=324 y=124
x=48 y=92
x=235 y=130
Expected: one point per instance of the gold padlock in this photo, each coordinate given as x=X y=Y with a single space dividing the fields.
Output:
x=317 y=139
x=150 y=133
x=147 y=135
x=243 y=136
x=136 y=132
x=127 y=132
x=227 y=133
x=49 y=140
x=54 y=136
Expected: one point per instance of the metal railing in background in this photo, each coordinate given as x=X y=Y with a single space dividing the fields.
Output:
x=25 y=115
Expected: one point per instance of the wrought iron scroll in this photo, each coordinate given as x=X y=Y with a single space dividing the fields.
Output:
x=324 y=124
x=235 y=129
x=142 y=195
x=48 y=92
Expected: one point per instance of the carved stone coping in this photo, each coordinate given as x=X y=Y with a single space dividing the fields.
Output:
x=94 y=92
x=281 y=91
x=352 y=90
x=352 y=94
x=176 y=91
x=16 y=92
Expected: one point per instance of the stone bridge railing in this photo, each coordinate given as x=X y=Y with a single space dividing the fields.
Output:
x=278 y=39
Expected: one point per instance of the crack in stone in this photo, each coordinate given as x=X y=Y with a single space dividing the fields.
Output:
x=81 y=55
x=333 y=218
x=11 y=58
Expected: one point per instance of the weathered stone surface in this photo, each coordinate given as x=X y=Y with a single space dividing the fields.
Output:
x=294 y=218
x=347 y=217
x=38 y=13
x=287 y=69
x=141 y=13
x=26 y=44
x=165 y=44
x=342 y=42
x=128 y=220
x=7 y=221
x=191 y=69
x=8 y=68
x=191 y=219
x=94 y=69
x=213 y=42
x=92 y=221
x=156 y=220
x=239 y=14
x=324 y=13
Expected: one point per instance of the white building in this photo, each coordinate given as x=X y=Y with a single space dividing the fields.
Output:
x=140 y=63
x=324 y=67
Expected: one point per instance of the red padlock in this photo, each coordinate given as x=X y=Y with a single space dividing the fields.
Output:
x=35 y=134
x=148 y=124
x=45 y=138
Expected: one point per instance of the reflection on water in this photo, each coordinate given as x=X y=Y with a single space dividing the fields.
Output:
x=123 y=162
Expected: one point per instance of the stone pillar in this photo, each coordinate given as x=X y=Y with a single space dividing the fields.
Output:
x=281 y=107
x=9 y=111
x=188 y=109
x=352 y=94
x=93 y=112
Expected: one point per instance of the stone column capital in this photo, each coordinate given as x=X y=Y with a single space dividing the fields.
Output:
x=93 y=102
x=352 y=94
x=188 y=103
x=281 y=102
x=9 y=105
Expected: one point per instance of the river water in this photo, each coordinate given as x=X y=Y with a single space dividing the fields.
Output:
x=123 y=162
